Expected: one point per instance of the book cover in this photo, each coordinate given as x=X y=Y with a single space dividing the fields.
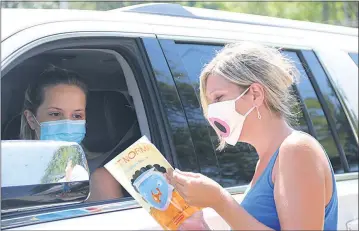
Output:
x=140 y=170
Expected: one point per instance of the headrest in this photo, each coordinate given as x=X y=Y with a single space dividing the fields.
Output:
x=109 y=116
x=11 y=130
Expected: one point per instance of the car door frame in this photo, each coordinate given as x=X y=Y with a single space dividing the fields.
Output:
x=129 y=206
x=297 y=49
x=344 y=178
x=43 y=37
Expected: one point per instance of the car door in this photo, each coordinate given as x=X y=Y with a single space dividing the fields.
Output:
x=123 y=213
x=322 y=114
x=190 y=143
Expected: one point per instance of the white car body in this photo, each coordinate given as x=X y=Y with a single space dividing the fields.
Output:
x=23 y=29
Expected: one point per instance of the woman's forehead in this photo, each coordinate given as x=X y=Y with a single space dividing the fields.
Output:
x=65 y=97
x=216 y=82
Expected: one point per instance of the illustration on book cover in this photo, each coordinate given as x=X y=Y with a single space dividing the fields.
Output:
x=141 y=170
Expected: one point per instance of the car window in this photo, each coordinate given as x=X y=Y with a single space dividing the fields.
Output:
x=114 y=118
x=236 y=164
x=194 y=57
x=205 y=155
x=354 y=57
x=316 y=114
x=341 y=124
x=106 y=135
x=228 y=168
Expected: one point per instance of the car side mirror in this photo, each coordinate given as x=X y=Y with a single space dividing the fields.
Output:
x=42 y=174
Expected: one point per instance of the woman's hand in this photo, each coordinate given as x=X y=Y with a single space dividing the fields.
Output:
x=195 y=222
x=197 y=189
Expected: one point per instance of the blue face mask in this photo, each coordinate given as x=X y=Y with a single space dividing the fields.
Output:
x=63 y=130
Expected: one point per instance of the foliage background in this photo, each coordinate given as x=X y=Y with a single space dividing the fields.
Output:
x=336 y=13
x=56 y=169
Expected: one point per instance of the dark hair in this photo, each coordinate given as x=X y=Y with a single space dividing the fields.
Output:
x=34 y=95
x=144 y=169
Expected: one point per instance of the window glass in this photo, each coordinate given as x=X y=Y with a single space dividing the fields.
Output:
x=204 y=155
x=354 y=57
x=194 y=57
x=236 y=164
x=342 y=126
x=316 y=113
x=186 y=157
x=105 y=132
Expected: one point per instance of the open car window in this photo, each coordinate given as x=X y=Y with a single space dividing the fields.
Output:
x=111 y=118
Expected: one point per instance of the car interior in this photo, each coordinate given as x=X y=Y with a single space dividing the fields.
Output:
x=112 y=109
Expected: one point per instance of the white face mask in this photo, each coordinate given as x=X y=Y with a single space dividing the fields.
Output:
x=226 y=120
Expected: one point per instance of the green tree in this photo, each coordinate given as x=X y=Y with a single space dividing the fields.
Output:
x=56 y=169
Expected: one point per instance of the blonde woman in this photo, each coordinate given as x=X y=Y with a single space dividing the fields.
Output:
x=246 y=97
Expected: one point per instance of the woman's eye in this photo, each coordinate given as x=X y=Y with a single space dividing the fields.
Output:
x=217 y=99
x=54 y=113
x=77 y=116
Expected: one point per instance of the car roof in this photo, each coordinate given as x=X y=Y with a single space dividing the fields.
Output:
x=15 y=20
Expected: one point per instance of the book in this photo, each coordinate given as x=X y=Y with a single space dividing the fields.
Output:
x=141 y=169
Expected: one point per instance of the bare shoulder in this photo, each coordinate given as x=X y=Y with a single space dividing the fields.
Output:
x=303 y=168
x=302 y=149
x=301 y=143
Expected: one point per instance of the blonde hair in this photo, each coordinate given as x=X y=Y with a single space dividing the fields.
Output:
x=247 y=63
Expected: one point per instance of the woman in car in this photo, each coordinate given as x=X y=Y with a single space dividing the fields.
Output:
x=246 y=97
x=55 y=109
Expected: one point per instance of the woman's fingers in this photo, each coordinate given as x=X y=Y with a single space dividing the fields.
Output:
x=190 y=174
x=180 y=187
x=182 y=181
x=169 y=176
x=173 y=179
x=183 y=195
x=180 y=178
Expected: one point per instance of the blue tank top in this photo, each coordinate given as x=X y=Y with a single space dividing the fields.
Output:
x=259 y=201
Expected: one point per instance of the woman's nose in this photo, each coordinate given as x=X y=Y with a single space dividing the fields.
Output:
x=67 y=117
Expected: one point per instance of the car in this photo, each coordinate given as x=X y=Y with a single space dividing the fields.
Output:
x=143 y=64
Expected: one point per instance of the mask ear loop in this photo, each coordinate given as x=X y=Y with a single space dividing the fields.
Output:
x=250 y=110
x=33 y=116
x=242 y=94
x=256 y=107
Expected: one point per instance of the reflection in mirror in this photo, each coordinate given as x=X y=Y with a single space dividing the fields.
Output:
x=36 y=173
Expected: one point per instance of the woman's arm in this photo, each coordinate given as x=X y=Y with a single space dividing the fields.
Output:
x=236 y=216
x=300 y=190
x=103 y=186
x=199 y=190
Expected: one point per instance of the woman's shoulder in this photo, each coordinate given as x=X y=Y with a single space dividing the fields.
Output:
x=300 y=148
x=301 y=142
